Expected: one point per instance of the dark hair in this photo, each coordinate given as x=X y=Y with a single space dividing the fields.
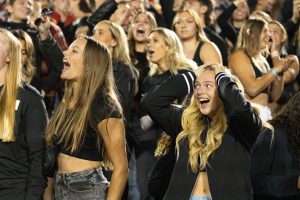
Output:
x=84 y=6
x=208 y=15
x=289 y=115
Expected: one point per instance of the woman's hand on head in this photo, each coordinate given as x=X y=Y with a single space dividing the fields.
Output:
x=218 y=68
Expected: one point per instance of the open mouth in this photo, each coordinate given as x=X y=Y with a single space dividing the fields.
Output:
x=150 y=52
x=140 y=31
x=204 y=102
x=66 y=65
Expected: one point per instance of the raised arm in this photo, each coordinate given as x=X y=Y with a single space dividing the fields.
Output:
x=241 y=66
x=243 y=119
x=227 y=29
x=52 y=54
x=104 y=11
x=158 y=102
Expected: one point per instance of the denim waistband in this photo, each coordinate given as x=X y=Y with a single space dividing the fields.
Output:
x=196 y=197
x=85 y=173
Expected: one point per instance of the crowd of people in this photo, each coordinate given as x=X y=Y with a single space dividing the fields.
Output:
x=149 y=99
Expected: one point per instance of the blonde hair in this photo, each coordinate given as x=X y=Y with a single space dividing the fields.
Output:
x=175 y=56
x=248 y=36
x=193 y=124
x=9 y=92
x=284 y=33
x=120 y=52
x=261 y=15
x=97 y=79
x=200 y=35
x=131 y=41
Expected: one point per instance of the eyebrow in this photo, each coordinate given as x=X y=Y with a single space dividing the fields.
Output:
x=205 y=81
x=98 y=29
x=75 y=47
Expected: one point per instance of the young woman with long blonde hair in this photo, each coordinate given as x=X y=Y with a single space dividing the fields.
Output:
x=214 y=134
x=195 y=44
x=167 y=58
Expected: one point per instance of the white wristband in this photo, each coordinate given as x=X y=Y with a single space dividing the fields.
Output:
x=274 y=73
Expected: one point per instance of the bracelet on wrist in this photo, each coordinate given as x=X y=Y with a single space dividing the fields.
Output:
x=274 y=73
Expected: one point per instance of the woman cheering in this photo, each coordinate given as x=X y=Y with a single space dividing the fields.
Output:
x=216 y=132
x=88 y=126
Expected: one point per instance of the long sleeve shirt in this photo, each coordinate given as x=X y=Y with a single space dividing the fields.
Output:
x=21 y=162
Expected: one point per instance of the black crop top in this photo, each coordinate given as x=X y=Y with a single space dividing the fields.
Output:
x=197 y=58
x=258 y=72
x=89 y=150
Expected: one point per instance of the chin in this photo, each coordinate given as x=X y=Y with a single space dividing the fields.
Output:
x=154 y=61
x=64 y=77
x=204 y=112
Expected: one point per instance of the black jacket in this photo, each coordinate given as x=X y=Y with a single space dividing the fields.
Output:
x=274 y=174
x=125 y=83
x=53 y=55
x=228 y=30
x=229 y=174
x=21 y=162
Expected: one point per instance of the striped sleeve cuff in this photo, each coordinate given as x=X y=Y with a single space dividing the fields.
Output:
x=221 y=75
x=189 y=78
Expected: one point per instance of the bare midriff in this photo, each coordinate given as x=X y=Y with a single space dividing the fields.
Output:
x=262 y=99
x=201 y=187
x=69 y=164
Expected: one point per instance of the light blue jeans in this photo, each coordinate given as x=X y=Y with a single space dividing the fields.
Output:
x=88 y=185
x=194 y=197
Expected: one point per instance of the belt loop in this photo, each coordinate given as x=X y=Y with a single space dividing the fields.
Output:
x=64 y=177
